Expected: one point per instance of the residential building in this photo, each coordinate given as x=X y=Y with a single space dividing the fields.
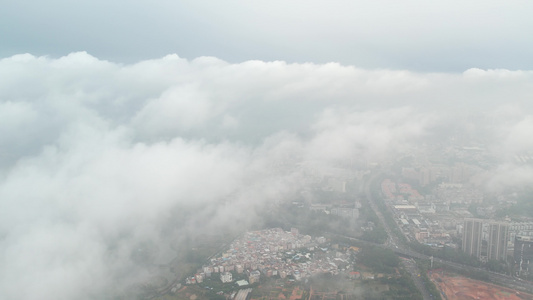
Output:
x=497 y=243
x=254 y=276
x=472 y=233
x=226 y=277
x=523 y=254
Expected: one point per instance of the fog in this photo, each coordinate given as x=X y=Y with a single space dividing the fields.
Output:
x=98 y=157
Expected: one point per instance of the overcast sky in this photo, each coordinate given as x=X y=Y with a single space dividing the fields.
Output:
x=414 y=34
x=142 y=124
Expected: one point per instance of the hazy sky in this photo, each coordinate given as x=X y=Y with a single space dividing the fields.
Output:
x=143 y=122
x=414 y=34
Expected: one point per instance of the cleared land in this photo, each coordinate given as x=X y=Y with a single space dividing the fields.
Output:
x=457 y=287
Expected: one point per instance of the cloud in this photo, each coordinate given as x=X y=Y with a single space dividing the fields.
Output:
x=517 y=137
x=101 y=160
x=370 y=136
x=509 y=176
x=176 y=108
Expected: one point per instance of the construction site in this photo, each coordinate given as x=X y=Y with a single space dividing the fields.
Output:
x=455 y=287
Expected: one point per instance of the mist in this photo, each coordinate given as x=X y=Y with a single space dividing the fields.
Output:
x=99 y=158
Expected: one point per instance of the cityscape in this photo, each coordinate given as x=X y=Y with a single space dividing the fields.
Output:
x=266 y=149
x=437 y=213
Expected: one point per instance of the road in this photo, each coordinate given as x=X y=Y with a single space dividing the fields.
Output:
x=393 y=244
x=412 y=268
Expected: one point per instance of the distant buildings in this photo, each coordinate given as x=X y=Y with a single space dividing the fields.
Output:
x=345 y=212
x=336 y=185
x=321 y=240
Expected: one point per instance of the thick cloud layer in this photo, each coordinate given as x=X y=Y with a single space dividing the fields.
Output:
x=98 y=158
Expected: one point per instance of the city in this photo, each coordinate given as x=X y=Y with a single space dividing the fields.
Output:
x=266 y=149
x=430 y=213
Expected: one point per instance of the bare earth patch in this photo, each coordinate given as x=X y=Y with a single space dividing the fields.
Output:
x=461 y=288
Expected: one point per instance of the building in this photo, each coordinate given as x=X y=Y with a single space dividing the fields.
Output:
x=497 y=243
x=426 y=207
x=226 y=277
x=472 y=233
x=243 y=294
x=345 y=212
x=199 y=277
x=254 y=276
x=520 y=229
x=321 y=240
x=523 y=254
x=336 y=185
x=241 y=283
x=239 y=269
x=422 y=236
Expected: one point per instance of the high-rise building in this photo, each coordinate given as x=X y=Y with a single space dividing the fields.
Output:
x=497 y=243
x=523 y=254
x=472 y=233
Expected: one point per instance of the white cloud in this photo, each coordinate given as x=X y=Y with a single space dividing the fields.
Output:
x=370 y=136
x=177 y=108
x=100 y=157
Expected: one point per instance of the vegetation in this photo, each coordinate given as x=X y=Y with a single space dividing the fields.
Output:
x=200 y=293
x=271 y=288
x=378 y=259
x=497 y=266
x=395 y=287
x=424 y=267
x=378 y=235
x=401 y=288
x=314 y=223
x=380 y=203
x=474 y=274
x=446 y=253
x=523 y=207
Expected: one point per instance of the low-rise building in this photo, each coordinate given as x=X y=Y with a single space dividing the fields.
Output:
x=254 y=276
x=226 y=277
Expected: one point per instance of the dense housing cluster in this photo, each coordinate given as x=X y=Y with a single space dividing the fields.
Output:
x=275 y=252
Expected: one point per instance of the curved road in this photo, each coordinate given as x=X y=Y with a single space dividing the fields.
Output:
x=397 y=247
x=392 y=242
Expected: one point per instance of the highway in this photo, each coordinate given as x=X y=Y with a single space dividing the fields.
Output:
x=497 y=278
x=393 y=244
x=412 y=268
